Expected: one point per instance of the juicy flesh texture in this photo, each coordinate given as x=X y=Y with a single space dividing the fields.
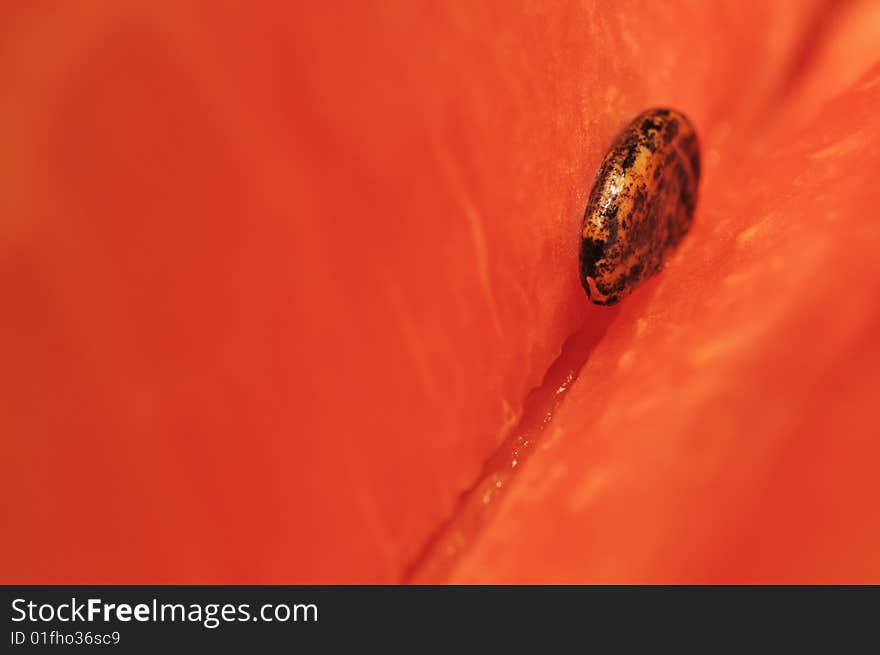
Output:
x=277 y=286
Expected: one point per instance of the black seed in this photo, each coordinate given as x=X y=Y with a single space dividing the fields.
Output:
x=628 y=232
x=591 y=252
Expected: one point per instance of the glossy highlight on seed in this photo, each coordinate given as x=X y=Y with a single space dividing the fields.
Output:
x=641 y=206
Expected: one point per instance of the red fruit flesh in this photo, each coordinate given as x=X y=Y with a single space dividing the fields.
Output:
x=277 y=285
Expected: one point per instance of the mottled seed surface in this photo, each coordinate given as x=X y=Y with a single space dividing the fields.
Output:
x=641 y=205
